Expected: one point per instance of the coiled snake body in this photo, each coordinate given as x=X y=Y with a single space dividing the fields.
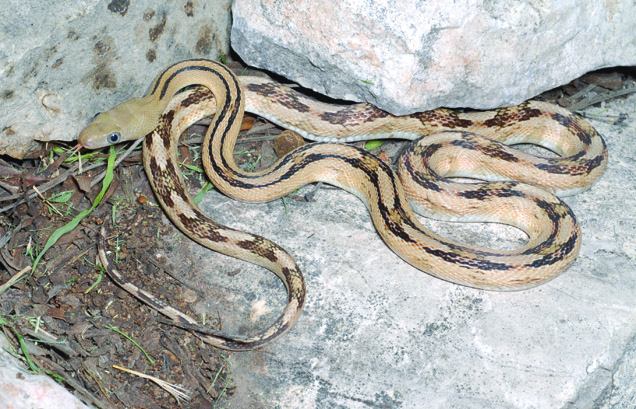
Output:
x=450 y=144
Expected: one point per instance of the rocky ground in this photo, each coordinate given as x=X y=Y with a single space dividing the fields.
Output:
x=375 y=332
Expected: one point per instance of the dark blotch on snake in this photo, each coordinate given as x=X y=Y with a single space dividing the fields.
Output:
x=257 y=246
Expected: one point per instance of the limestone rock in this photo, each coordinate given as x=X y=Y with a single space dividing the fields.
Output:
x=62 y=62
x=412 y=56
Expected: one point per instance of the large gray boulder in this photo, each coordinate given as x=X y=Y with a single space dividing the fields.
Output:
x=412 y=56
x=62 y=62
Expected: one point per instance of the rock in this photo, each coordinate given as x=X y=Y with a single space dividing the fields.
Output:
x=426 y=54
x=60 y=65
x=22 y=390
x=377 y=333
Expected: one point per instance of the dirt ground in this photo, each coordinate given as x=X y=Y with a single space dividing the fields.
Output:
x=75 y=324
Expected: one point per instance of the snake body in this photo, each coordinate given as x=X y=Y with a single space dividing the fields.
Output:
x=449 y=144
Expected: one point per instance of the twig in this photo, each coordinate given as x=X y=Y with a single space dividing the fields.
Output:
x=256 y=139
x=199 y=139
x=98 y=383
x=16 y=277
x=51 y=340
x=200 y=329
x=600 y=98
x=7 y=261
x=179 y=392
x=5 y=239
x=580 y=94
x=9 y=188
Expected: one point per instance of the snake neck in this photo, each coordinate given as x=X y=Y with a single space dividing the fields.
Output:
x=230 y=103
x=218 y=145
x=139 y=116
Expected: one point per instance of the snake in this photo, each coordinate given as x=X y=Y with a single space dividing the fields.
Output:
x=506 y=185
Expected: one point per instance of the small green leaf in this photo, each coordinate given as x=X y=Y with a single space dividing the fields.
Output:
x=85 y=156
x=61 y=197
x=368 y=82
x=370 y=145
x=57 y=378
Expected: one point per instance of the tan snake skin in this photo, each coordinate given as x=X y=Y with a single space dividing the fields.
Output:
x=450 y=148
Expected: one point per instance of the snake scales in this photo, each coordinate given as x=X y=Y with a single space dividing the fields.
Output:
x=449 y=144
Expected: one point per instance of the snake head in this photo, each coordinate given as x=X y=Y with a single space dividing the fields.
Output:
x=101 y=132
x=125 y=122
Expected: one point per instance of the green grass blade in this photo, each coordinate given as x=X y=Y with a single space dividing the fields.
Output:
x=192 y=168
x=208 y=186
x=57 y=234
x=148 y=357
x=25 y=351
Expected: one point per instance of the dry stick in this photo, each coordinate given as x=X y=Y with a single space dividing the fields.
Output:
x=98 y=383
x=257 y=139
x=9 y=188
x=73 y=260
x=168 y=272
x=177 y=391
x=51 y=340
x=15 y=278
x=46 y=201
x=196 y=328
x=7 y=237
x=600 y=98
x=7 y=261
x=580 y=94
x=199 y=139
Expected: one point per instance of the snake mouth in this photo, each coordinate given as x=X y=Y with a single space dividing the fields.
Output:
x=78 y=147
x=83 y=142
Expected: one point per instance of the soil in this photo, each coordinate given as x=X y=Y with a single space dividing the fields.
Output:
x=77 y=324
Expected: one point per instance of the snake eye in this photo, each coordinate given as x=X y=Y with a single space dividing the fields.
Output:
x=96 y=115
x=114 y=137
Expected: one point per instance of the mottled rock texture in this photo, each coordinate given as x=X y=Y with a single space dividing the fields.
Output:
x=63 y=62
x=412 y=56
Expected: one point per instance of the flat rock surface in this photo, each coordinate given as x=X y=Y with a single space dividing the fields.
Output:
x=378 y=333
